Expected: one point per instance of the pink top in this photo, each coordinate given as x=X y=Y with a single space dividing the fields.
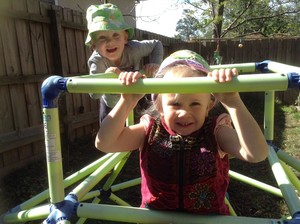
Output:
x=184 y=173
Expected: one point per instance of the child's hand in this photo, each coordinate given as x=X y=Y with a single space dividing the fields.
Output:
x=223 y=75
x=115 y=70
x=128 y=78
x=150 y=69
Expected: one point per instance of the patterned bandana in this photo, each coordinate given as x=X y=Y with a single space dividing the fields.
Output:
x=183 y=57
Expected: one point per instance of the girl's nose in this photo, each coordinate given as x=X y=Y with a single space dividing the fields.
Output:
x=182 y=113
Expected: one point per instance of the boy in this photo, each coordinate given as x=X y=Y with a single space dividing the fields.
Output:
x=110 y=38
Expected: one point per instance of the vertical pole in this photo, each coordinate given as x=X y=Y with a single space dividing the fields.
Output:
x=53 y=154
x=269 y=115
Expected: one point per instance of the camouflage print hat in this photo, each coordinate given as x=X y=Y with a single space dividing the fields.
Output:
x=105 y=17
x=185 y=57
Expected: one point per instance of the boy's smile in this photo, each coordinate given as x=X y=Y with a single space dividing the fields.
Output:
x=110 y=44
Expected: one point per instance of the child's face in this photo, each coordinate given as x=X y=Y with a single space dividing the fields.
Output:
x=110 y=44
x=185 y=113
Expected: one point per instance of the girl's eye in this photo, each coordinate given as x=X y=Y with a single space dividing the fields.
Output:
x=175 y=104
x=195 y=104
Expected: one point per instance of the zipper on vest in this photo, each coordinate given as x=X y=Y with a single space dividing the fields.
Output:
x=181 y=175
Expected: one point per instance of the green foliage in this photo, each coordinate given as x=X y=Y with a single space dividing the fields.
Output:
x=204 y=19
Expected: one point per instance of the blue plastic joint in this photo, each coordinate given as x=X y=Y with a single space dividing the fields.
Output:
x=294 y=220
x=262 y=66
x=63 y=210
x=105 y=194
x=276 y=148
x=51 y=88
x=293 y=80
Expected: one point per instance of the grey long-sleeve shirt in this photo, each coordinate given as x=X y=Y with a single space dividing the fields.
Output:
x=133 y=53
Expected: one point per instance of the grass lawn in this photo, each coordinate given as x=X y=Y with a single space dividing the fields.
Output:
x=246 y=200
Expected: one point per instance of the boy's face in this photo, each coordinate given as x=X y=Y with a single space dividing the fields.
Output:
x=110 y=44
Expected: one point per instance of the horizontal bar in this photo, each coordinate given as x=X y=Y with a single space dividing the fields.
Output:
x=141 y=215
x=241 y=67
x=241 y=83
x=280 y=67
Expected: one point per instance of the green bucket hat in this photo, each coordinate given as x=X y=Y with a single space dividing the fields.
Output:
x=105 y=17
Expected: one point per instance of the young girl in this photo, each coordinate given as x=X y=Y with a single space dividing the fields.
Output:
x=111 y=39
x=183 y=151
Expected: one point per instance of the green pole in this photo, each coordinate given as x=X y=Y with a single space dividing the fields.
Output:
x=269 y=115
x=283 y=68
x=127 y=214
x=288 y=191
x=24 y=216
x=242 y=67
x=293 y=162
x=255 y=183
x=53 y=154
x=241 y=83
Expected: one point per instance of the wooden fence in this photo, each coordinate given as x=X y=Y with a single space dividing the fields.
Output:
x=38 y=40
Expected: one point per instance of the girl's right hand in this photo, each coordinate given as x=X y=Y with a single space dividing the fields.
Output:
x=129 y=78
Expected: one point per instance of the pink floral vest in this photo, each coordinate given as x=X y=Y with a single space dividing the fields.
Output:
x=183 y=173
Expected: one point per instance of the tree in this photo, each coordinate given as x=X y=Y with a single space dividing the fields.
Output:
x=231 y=18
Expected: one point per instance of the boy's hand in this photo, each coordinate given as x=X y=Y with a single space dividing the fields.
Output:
x=150 y=69
x=115 y=70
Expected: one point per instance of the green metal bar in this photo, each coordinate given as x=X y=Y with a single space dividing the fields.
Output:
x=114 y=188
x=82 y=220
x=280 y=67
x=126 y=184
x=116 y=171
x=53 y=154
x=242 y=67
x=293 y=162
x=84 y=187
x=118 y=200
x=288 y=191
x=255 y=183
x=231 y=210
x=37 y=213
x=291 y=175
x=141 y=215
x=241 y=83
x=269 y=115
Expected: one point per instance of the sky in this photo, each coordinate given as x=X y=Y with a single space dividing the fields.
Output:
x=158 y=16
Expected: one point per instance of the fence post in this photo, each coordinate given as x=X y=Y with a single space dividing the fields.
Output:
x=58 y=56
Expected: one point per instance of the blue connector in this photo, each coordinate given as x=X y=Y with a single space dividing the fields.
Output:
x=293 y=80
x=51 y=88
x=63 y=211
x=294 y=220
x=262 y=66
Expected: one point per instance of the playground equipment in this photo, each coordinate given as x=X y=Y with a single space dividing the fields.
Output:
x=64 y=208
